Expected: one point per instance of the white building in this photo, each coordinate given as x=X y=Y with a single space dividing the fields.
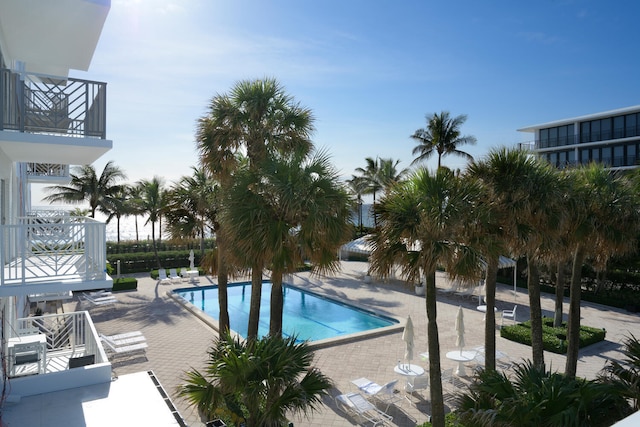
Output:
x=49 y=121
x=609 y=137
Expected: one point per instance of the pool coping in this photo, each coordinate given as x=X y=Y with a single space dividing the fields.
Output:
x=323 y=343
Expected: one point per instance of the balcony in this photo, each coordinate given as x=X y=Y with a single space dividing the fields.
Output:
x=44 y=104
x=69 y=354
x=51 y=253
x=47 y=173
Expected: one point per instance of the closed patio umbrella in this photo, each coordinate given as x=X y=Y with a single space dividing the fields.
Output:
x=407 y=337
x=191 y=259
x=460 y=329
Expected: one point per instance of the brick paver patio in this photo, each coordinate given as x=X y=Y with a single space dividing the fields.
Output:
x=178 y=340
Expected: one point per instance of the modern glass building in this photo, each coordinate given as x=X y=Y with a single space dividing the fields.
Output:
x=610 y=137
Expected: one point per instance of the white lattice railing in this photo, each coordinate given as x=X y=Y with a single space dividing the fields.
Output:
x=70 y=333
x=52 y=248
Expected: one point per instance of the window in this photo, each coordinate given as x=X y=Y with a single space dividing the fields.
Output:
x=595 y=131
x=553 y=159
x=606 y=156
x=618 y=155
x=605 y=129
x=585 y=132
x=571 y=157
x=618 y=127
x=584 y=156
x=631 y=154
x=595 y=155
x=630 y=125
x=544 y=138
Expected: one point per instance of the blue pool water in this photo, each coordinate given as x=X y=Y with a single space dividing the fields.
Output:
x=307 y=315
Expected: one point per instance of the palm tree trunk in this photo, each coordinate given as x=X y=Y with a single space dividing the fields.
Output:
x=118 y=226
x=490 y=318
x=573 y=327
x=277 y=304
x=433 y=343
x=256 y=295
x=223 y=279
x=136 y=222
x=557 y=315
x=153 y=241
x=535 y=311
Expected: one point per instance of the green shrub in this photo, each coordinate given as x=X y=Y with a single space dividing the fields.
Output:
x=450 y=420
x=553 y=339
x=125 y=284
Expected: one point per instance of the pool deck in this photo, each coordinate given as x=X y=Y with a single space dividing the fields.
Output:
x=178 y=340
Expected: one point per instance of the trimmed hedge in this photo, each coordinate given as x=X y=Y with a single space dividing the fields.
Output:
x=125 y=284
x=553 y=339
x=145 y=261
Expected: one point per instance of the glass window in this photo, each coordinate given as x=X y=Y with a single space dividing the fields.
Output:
x=553 y=137
x=571 y=157
x=631 y=154
x=618 y=127
x=606 y=156
x=553 y=159
x=605 y=129
x=630 y=125
x=562 y=158
x=585 y=132
x=584 y=156
x=562 y=135
x=618 y=155
x=595 y=155
x=544 y=138
x=571 y=134
x=595 y=130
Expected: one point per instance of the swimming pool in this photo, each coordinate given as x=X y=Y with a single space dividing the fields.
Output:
x=309 y=316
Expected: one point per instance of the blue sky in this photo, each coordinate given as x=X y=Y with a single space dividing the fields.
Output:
x=369 y=70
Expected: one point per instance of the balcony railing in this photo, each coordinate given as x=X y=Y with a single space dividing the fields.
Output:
x=52 y=170
x=64 y=337
x=45 y=104
x=44 y=248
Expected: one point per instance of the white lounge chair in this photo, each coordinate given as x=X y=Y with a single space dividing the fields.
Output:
x=120 y=340
x=509 y=314
x=121 y=347
x=162 y=276
x=384 y=393
x=99 y=301
x=355 y=404
x=446 y=377
x=173 y=275
x=184 y=274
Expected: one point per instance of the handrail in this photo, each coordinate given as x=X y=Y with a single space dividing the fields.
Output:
x=53 y=248
x=39 y=103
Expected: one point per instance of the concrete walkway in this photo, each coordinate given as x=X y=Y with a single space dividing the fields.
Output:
x=178 y=340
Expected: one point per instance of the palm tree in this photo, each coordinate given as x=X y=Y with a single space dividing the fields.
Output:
x=152 y=206
x=625 y=374
x=526 y=191
x=442 y=136
x=420 y=226
x=532 y=396
x=116 y=207
x=293 y=209
x=257 y=382
x=257 y=117
x=603 y=216
x=378 y=176
x=133 y=202
x=191 y=208
x=86 y=186
x=357 y=187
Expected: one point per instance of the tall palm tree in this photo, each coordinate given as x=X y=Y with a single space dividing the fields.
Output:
x=152 y=205
x=604 y=216
x=293 y=209
x=133 y=202
x=191 y=209
x=357 y=188
x=256 y=382
x=87 y=186
x=256 y=117
x=378 y=176
x=526 y=191
x=421 y=223
x=441 y=136
x=116 y=207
